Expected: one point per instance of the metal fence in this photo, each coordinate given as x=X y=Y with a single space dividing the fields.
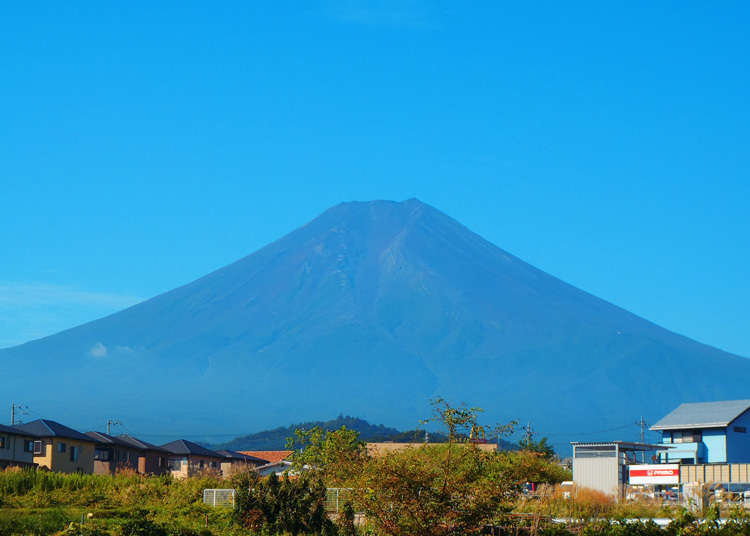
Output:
x=219 y=497
x=336 y=498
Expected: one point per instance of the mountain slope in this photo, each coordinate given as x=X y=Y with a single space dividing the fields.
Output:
x=370 y=309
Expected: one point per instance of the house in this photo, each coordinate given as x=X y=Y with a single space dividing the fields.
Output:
x=152 y=460
x=270 y=456
x=235 y=462
x=16 y=448
x=707 y=432
x=112 y=453
x=59 y=448
x=190 y=459
x=278 y=468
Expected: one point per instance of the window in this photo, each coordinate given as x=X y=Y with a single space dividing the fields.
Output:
x=201 y=464
x=74 y=451
x=3 y=442
x=175 y=464
x=740 y=429
x=61 y=447
x=687 y=436
x=595 y=451
x=38 y=448
x=28 y=445
x=101 y=455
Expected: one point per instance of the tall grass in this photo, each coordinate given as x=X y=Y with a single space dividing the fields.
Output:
x=30 y=488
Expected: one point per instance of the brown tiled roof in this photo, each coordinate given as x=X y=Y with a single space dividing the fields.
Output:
x=272 y=456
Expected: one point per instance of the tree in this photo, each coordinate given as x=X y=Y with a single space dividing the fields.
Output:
x=436 y=489
x=329 y=454
x=541 y=447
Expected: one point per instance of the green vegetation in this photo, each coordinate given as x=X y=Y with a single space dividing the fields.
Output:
x=448 y=489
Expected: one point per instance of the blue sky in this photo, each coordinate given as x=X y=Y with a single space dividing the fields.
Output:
x=145 y=145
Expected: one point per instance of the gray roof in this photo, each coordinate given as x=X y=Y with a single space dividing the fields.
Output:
x=183 y=446
x=703 y=415
x=629 y=446
x=234 y=455
x=106 y=439
x=47 y=428
x=140 y=444
x=13 y=431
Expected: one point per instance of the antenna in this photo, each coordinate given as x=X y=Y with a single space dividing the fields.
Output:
x=111 y=423
x=529 y=432
x=642 y=424
x=17 y=409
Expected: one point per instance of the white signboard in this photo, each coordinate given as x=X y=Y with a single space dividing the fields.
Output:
x=655 y=474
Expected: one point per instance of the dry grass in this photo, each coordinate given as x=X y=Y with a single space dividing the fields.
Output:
x=584 y=503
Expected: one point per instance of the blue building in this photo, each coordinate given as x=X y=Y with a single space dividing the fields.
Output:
x=707 y=432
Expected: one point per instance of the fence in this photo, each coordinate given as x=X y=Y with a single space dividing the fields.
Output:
x=219 y=497
x=335 y=499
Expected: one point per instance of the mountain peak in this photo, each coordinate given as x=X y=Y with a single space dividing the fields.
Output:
x=370 y=309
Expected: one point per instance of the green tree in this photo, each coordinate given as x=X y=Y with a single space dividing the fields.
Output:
x=331 y=455
x=541 y=447
x=436 y=489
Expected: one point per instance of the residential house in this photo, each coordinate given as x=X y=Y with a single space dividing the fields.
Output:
x=152 y=460
x=278 y=468
x=707 y=432
x=16 y=448
x=190 y=459
x=59 y=448
x=112 y=453
x=235 y=462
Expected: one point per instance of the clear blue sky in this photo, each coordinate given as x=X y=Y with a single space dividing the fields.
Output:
x=606 y=143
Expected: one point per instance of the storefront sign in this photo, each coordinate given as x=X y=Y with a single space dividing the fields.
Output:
x=665 y=473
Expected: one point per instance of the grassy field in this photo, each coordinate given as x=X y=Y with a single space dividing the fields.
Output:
x=46 y=503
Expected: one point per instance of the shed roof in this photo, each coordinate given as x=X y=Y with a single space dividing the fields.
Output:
x=703 y=415
x=47 y=428
x=183 y=446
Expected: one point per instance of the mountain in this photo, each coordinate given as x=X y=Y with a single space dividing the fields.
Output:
x=371 y=309
x=275 y=439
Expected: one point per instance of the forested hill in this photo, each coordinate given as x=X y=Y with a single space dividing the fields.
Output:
x=275 y=439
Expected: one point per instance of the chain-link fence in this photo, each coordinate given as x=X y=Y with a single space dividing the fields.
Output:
x=336 y=498
x=219 y=497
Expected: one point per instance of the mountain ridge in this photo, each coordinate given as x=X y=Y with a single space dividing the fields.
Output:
x=372 y=308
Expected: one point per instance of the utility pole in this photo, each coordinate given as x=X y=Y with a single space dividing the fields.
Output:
x=642 y=424
x=529 y=433
x=112 y=422
x=19 y=409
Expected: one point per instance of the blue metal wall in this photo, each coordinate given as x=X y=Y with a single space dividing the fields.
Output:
x=738 y=443
x=715 y=440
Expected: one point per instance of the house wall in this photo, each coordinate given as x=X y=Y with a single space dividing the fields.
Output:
x=54 y=460
x=14 y=453
x=152 y=463
x=738 y=442
x=229 y=468
x=716 y=444
x=194 y=465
